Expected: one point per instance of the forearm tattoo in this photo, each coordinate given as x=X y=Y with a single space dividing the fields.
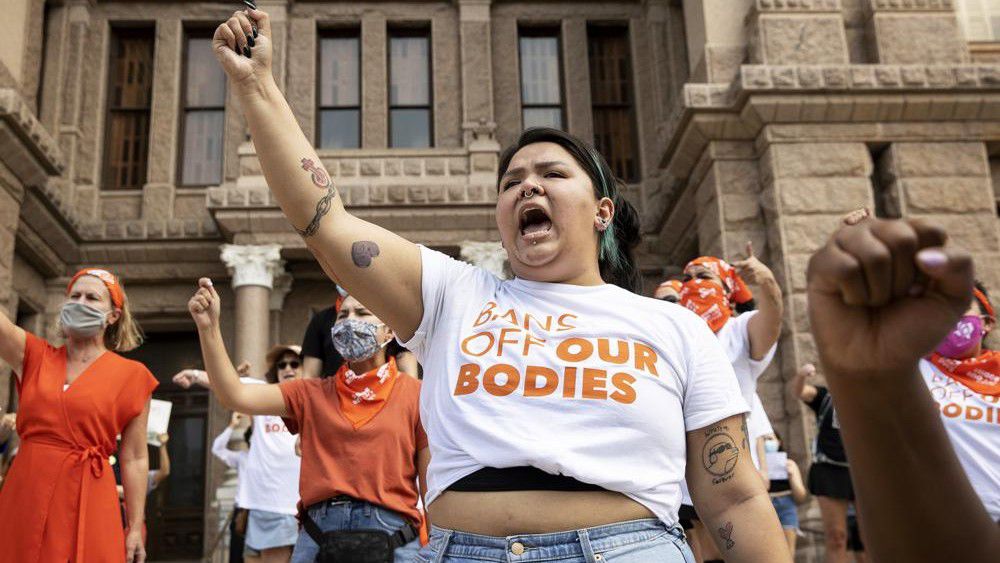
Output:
x=363 y=252
x=720 y=453
x=322 y=181
x=726 y=533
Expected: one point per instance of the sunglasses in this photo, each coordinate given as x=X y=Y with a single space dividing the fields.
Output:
x=294 y=364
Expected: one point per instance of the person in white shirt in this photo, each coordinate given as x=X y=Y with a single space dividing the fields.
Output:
x=235 y=459
x=270 y=474
x=560 y=400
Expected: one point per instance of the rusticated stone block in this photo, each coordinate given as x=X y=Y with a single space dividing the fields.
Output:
x=377 y=194
x=120 y=208
x=804 y=160
x=434 y=167
x=192 y=227
x=975 y=232
x=175 y=228
x=412 y=167
x=418 y=194
x=456 y=194
x=798 y=40
x=824 y=195
x=371 y=167
x=209 y=228
x=476 y=193
x=484 y=162
x=935 y=160
x=135 y=229
x=807 y=234
x=258 y=196
x=436 y=194
x=348 y=168
x=393 y=167
x=359 y=194
x=918 y=38
x=948 y=195
x=740 y=208
x=397 y=194
x=155 y=229
x=458 y=166
x=114 y=230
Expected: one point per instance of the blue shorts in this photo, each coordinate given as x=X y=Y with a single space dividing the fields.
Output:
x=788 y=513
x=268 y=530
x=638 y=541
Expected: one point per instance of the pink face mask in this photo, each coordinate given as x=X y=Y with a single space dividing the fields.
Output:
x=964 y=338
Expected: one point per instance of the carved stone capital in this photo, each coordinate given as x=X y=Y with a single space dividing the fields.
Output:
x=253 y=264
x=490 y=256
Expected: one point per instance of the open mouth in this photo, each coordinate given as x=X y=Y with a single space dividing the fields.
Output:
x=535 y=222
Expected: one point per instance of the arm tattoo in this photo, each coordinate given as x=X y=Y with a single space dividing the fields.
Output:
x=322 y=181
x=726 y=533
x=720 y=453
x=363 y=251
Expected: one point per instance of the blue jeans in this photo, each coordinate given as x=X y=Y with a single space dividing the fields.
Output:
x=351 y=515
x=638 y=541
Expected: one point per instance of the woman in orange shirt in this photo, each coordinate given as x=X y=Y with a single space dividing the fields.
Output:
x=59 y=501
x=362 y=441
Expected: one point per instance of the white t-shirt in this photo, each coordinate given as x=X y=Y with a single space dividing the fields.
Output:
x=592 y=382
x=270 y=475
x=973 y=424
x=757 y=425
x=736 y=341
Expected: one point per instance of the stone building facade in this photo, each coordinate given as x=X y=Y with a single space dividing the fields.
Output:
x=760 y=120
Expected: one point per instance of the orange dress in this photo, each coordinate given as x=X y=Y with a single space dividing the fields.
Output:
x=58 y=502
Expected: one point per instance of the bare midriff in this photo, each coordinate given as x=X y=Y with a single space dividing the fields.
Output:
x=511 y=513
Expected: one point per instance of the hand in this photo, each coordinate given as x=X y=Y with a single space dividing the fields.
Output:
x=791 y=467
x=856 y=216
x=752 y=270
x=236 y=420
x=245 y=64
x=298 y=446
x=882 y=294
x=135 y=552
x=8 y=422
x=806 y=371
x=163 y=438
x=205 y=305
x=186 y=378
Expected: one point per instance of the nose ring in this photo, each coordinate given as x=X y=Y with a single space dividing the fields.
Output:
x=529 y=192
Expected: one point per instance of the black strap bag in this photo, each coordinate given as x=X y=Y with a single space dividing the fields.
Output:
x=356 y=546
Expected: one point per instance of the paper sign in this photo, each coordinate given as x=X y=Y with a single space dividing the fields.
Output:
x=159 y=420
x=776 y=469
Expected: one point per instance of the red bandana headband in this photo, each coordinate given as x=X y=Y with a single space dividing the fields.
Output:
x=985 y=302
x=736 y=289
x=108 y=279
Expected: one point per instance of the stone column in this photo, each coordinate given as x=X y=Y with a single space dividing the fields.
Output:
x=374 y=88
x=716 y=38
x=949 y=184
x=490 y=256
x=158 y=192
x=915 y=32
x=579 y=114
x=797 y=33
x=253 y=269
x=728 y=202
x=803 y=198
x=477 y=64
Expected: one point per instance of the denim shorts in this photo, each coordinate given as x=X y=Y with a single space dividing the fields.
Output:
x=268 y=530
x=788 y=513
x=351 y=515
x=637 y=541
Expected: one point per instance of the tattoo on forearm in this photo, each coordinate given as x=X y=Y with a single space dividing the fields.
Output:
x=363 y=252
x=322 y=181
x=726 y=533
x=720 y=453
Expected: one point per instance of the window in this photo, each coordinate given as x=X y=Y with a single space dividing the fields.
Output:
x=339 y=90
x=129 y=93
x=980 y=19
x=541 y=79
x=409 y=88
x=611 y=99
x=204 y=113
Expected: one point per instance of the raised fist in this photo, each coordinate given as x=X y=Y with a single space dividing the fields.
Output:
x=242 y=44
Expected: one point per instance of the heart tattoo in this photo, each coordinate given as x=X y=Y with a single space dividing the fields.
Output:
x=726 y=533
x=363 y=251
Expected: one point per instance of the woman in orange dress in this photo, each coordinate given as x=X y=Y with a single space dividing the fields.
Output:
x=59 y=502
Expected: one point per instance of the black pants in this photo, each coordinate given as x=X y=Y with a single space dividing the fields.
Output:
x=235 y=543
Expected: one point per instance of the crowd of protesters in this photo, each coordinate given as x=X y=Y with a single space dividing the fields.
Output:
x=556 y=416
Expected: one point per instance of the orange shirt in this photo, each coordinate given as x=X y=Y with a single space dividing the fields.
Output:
x=58 y=502
x=376 y=463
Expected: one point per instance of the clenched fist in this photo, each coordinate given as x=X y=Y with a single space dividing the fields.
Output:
x=882 y=294
x=243 y=46
x=205 y=305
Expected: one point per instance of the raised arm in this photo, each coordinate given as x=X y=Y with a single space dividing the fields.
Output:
x=381 y=269
x=799 y=388
x=881 y=295
x=765 y=327
x=220 y=444
x=729 y=496
x=225 y=381
x=135 y=475
x=12 y=339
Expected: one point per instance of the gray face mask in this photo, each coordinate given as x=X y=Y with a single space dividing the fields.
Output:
x=82 y=320
x=356 y=340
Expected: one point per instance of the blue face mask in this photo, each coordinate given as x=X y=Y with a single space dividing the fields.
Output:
x=82 y=320
x=770 y=446
x=356 y=340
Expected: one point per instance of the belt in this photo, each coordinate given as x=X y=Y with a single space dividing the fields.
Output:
x=92 y=458
x=399 y=538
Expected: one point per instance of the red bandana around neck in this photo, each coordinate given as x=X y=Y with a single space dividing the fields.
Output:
x=363 y=396
x=981 y=374
x=708 y=301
